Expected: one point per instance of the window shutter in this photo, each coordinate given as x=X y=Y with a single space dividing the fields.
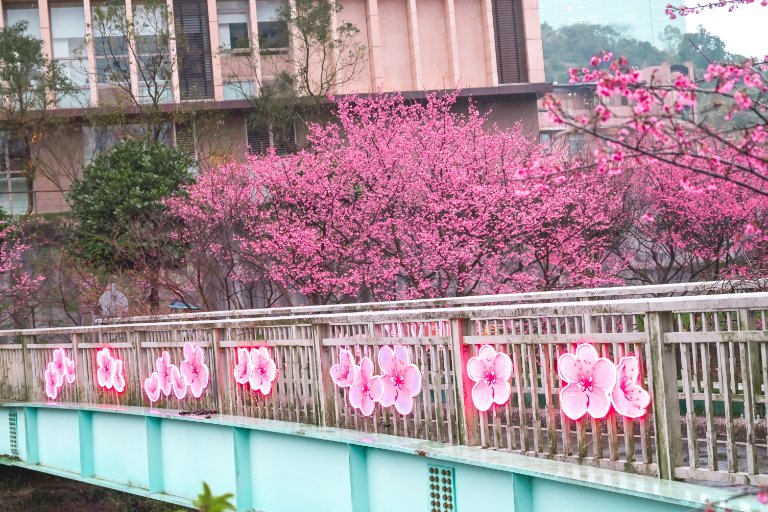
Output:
x=186 y=140
x=509 y=29
x=194 y=49
x=258 y=141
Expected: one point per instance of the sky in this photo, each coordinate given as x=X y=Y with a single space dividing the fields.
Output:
x=745 y=30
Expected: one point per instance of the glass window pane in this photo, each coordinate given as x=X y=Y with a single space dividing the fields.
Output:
x=266 y=10
x=15 y=14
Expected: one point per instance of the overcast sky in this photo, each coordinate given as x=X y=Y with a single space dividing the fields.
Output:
x=745 y=30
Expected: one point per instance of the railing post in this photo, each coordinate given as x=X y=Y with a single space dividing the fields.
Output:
x=326 y=388
x=75 y=357
x=666 y=401
x=27 y=369
x=467 y=415
x=224 y=404
x=138 y=339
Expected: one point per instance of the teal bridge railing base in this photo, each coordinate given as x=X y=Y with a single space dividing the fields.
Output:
x=274 y=466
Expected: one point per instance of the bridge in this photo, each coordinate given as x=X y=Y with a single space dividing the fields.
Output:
x=282 y=407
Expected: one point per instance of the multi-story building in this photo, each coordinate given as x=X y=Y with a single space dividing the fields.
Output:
x=490 y=49
x=642 y=19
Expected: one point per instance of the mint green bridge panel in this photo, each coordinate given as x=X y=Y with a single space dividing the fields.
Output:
x=274 y=466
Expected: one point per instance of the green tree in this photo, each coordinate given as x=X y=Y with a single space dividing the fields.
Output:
x=119 y=211
x=30 y=87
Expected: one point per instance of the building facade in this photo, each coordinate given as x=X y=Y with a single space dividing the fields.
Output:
x=490 y=49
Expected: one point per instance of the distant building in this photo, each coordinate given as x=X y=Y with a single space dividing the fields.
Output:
x=581 y=99
x=642 y=19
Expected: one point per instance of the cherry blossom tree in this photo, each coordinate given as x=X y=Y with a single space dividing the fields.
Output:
x=16 y=283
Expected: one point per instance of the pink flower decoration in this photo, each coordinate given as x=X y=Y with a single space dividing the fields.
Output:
x=244 y=366
x=490 y=370
x=401 y=380
x=194 y=370
x=152 y=387
x=163 y=366
x=366 y=390
x=178 y=383
x=59 y=358
x=106 y=370
x=52 y=381
x=628 y=397
x=343 y=373
x=264 y=370
x=118 y=380
x=69 y=370
x=590 y=380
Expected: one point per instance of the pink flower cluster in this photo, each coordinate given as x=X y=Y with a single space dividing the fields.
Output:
x=61 y=368
x=399 y=383
x=109 y=374
x=168 y=378
x=256 y=368
x=595 y=383
x=491 y=371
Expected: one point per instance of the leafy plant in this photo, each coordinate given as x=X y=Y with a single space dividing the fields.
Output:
x=208 y=502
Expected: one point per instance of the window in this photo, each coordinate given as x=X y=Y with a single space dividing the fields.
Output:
x=260 y=139
x=273 y=34
x=577 y=143
x=68 y=41
x=110 y=44
x=238 y=90
x=233 y=24
x=150 y=29
x=28 y=13
x=509 y=32
x=13 y=185
x=195 y=68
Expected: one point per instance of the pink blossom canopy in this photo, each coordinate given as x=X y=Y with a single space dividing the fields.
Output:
x=366 y=389
x=152 y=387
x=628 y=397
x=194 y=370
x=401 y=380
x=491 y=371
x=264 y=370
x=343 y=373
x=589 y=382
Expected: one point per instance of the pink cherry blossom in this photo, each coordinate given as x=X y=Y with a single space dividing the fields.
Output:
x=178 y=383
x=366 y=389
x=52 y=382
x=343 y=373
x=106 y=368
x=152 y=387
x=491 y=371
x=590 y=380
x=244 y=366
x=401 y=380
x=628 y=397
x=194 y=370
x=59 y=357
x=118 y=379
x=163 y=367
x=69 y=370
x=264 y=370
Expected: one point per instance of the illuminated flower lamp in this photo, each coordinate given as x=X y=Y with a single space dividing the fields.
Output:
x=152 y=387
x=263 y=372
x=366 y=389
x=61 y=369
x=628 y=397
x=163 y=367
x=343 y=373
x=244 y=366
x=589 y=382
x=194 y=370
x=401 y=380
x=491 y=372
x=109 y=374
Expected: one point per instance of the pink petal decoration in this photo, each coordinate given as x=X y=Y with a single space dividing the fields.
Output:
x=244 y=366
x=152 y=387
x=194 y=370
x=163 y=367
x=118 y=379
x=628 y=397
x=491 y=371
x=178 y=383
x=401 y=380
x=105 y=372
x=52 y=382
x=69 y=370
x=343 y=373
x=589 y=382
x=366 y=389
x=264 y=370
x=59 y=357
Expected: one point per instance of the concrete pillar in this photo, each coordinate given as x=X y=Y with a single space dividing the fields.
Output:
x=91 y=54
x=174 y=54
x=45 y=27
x=489 y=43
x=452 y=43
x=375 y=57
x=213 y=29
x=253 y=26
x=533 y=45
x=414 y=48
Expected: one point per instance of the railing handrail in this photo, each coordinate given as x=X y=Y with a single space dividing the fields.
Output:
x=720 y=302
x=498 y=299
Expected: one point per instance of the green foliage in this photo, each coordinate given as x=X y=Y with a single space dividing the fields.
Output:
x=207 y=502
x=117 y=204
x=571 y=46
